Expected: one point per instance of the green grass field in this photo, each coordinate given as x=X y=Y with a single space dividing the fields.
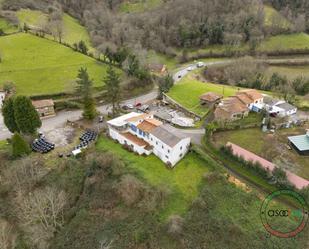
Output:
x=139 y=5
x=188 y=91
x=291 y=72
x=6 y=27
x=271 y=147
x=73 y=31
x=183 y=181
x=272 y=15
x=39 y=66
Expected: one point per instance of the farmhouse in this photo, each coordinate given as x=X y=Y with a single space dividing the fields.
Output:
x=145 y=135
x=210 y=98
x=280 y=108
x=45 y=108
x=157 y=68
x=252 y=98
x=231 y=109
x=300 y=143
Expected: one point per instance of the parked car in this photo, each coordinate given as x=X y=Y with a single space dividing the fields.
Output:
x=127 y=107
x=190 y=68
x=138 y=104
x=144 y=108
x=200 y=64
x=101 y=119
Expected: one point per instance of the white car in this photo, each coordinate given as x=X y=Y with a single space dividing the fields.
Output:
x=190 y=68
x=200 y=64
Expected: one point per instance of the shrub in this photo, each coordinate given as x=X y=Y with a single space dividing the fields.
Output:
x=130 y=189
x=20 y=146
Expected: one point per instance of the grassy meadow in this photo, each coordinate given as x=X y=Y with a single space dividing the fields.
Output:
x=7 y=27
x=39 y=66
x=73 y=31
x=188 y=91
x=271 y=15
x=183 y=181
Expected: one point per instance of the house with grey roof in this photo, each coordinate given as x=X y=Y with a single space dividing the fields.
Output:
x=144 y=134
x=300 y=143
x=279 y=108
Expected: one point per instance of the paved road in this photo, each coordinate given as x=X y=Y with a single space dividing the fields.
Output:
x=62 y=117
x=184 y=71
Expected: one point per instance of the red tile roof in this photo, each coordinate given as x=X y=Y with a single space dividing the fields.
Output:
x=211 y=97
x=134 y=139
x=42 y=103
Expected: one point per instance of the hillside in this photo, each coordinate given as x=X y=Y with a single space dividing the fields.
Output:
x=139 y=5
x=73 y=32
x=39 y=66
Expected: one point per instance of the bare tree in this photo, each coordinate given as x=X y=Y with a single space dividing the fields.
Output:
x=7 y=236
x=45 y=206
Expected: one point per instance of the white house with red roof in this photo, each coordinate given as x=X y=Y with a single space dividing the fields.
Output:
x=145 y=135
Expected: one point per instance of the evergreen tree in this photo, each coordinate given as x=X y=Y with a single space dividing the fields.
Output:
x=84 y=87
x=165 y=84
x=8 y=115
x=19 y=146
x=82 y=47
x=26 y=117
x=112 y=83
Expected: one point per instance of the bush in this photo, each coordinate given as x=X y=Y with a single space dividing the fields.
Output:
x=20 y=146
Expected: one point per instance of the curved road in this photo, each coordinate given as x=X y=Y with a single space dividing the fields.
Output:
x=62 y=117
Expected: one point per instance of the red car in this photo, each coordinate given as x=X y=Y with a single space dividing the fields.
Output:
x=138 y=104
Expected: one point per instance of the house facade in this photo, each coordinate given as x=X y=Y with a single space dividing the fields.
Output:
x=145 y=135
x=252 y=98
x=231 y=109
x=279 y=108
x=45 y=108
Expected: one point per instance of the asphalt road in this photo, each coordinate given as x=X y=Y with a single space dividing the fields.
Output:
x=184 y=71
x=62 y=117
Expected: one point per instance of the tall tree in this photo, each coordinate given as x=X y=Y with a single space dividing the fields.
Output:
x=84 y=87
x=112 y=83
x=26 y=117
x=8 y=115
x=19 y=146
x=165 y=84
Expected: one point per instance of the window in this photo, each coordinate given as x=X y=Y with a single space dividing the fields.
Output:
x=162 y=147
x=156 y=143
x=166 y=157
x=180 y=155
x=168 y=151
x=151 y=139
x=180 y=147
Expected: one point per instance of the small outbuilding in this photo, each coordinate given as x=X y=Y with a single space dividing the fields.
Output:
x=45 y=108
x=300 y=143
x=210 y=98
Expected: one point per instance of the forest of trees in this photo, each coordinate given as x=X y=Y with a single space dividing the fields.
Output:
x=177 y=23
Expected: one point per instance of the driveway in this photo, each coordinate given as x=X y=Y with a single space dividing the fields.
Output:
x=196 y=135
x=63 y=116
